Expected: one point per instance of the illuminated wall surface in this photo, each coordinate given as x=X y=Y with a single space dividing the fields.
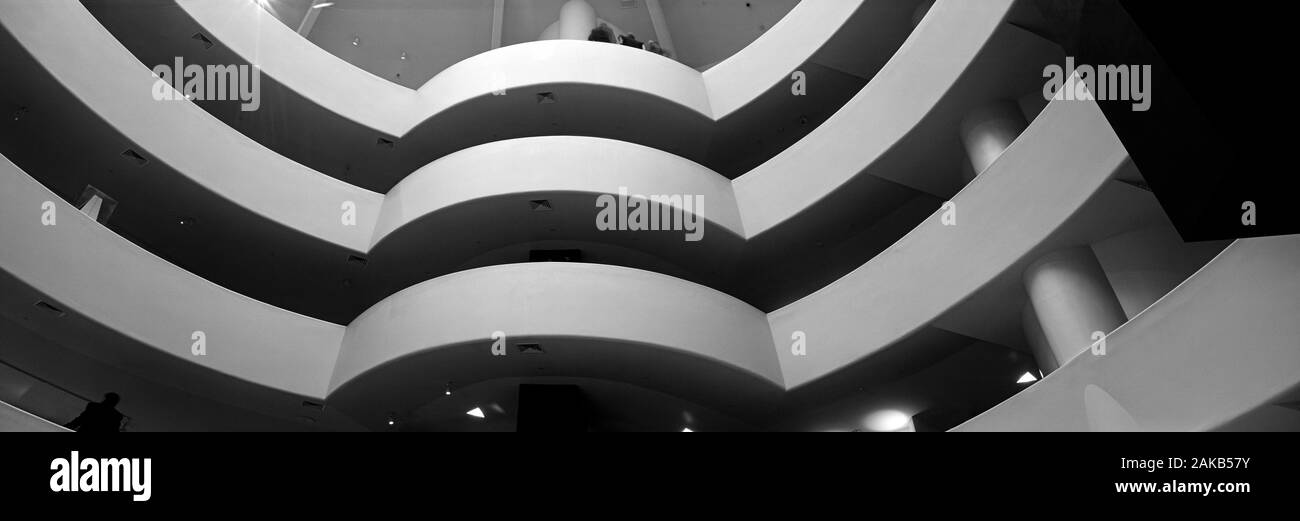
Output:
x=828 y=215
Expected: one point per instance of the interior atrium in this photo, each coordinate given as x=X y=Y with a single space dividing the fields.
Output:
x=611 y=216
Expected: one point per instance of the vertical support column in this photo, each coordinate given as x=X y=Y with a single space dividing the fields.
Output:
x=577 y=19
x=1037 y=340
x=989 y=130
x=660 y=23
x=1071 y=300
x=498 y=21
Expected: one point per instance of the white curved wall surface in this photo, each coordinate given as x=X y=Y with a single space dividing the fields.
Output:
x=1221 y=344
x=555 y=164
x=560 y=300
x=346 y=90
x=1065 y=157
x=925 y=69
x=86 y=267
x=228 y=163
x=744 y=76
x=107 y=78
x=362 y=97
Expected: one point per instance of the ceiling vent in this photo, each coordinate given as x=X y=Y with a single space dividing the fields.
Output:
x=531 y=349
x=357 y=260
x=545 y=98
x=313 y=405
x=540 y=205
x=50 y=308
x=135 y=156
x=385 y=143
x=207 y=44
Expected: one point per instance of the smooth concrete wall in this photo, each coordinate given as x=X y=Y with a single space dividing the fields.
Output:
x=394 y=110
x=359 y=96
x=1222 y=344
x=84 y=266
x=555 y=164
x=107 y=78
x=900 y=96
x=257 y=179
x=1065 y=157
x=1143 y=265
x=159 y=305
x=744 y=76
x=566 y=300
x=13 y=419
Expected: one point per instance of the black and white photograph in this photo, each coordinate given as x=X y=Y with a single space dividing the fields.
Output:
x=388 y=231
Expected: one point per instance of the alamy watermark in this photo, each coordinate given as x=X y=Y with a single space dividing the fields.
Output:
x=77 y=474
x=1099 y=83
x=211 y=83
x=636 y=212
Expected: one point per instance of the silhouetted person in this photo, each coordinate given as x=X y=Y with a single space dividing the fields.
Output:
x=631 y=41
x=99 y=417
x=601 y=34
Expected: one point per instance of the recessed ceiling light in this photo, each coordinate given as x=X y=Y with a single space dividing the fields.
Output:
x=447 y=390
x=889 y=420
x=322 y=5
x=475 y=412
x=1026 y=378
x=356 y=41
x=687 y=429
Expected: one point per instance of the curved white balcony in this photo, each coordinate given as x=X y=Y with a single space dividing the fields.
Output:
x=1218 y=347
x=838 y=167
x=157 y=307
x=254 y=34
x=325 y=113
x=596 y=317
x=1065 y=158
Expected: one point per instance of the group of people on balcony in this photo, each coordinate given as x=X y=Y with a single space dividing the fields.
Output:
x=603 y=33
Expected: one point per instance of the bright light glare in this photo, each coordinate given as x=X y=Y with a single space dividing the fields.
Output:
x=889 y=420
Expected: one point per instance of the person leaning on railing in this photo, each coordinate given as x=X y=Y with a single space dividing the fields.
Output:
x=99 y=416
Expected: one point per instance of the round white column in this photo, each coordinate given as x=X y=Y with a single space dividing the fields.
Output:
x=989 y=130
x=1038 y=344
x=577 y=19
x=1071 y=299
